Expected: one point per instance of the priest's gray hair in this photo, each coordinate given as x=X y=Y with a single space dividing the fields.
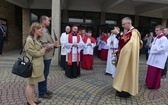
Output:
x=67 y=27
x=127 y=19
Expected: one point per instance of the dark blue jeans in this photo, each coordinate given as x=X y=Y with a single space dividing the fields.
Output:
x=42 y=86
x=147 y=53
x=1 y=44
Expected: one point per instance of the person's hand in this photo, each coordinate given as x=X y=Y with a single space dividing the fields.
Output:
x=56 y=44
x=89 y=44
x=44 y=48
x=4 y=35
x=75 y=44
x=113 y=52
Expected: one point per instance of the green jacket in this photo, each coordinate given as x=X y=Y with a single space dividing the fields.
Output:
x=34 y=51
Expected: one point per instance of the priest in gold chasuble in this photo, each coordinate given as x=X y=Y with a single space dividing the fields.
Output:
x=126 y=79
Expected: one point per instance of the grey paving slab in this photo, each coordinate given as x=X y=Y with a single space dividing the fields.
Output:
x=91 y=88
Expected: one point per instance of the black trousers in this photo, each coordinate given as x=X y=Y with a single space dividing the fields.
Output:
x=98 y=53
x=164 y=71
x=63 y=62
x=1 y=45
x=72 y=71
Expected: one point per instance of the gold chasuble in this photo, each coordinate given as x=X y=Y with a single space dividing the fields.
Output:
x=127 y=71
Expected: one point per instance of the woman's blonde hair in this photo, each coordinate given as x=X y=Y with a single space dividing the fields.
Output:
x=34 y=26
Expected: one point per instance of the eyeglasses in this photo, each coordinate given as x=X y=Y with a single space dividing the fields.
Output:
x=124 y=23
x=157 y=30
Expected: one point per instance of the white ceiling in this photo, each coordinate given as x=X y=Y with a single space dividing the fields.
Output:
x=152 y=8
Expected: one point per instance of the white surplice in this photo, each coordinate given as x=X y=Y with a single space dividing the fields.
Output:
x=158 y=52
x=103 y=45
x=69 y=47
x=99 y=43
x=89 y=49
x=62 y=40
x=110 y=68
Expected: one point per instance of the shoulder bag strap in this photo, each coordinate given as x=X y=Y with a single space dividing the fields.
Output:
x=22 y=48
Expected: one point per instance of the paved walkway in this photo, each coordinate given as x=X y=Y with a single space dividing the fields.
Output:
x=91 y=88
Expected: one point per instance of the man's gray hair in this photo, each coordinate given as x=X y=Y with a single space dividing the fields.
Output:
x=43 y=18
x=127 y=19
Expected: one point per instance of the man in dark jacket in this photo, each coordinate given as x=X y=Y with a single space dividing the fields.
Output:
x=2 y=35
x=164 y=71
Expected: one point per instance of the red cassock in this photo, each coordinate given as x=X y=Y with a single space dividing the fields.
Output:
x=87 y=59
x=104 y=52
x=87 y=62
x=153 y=77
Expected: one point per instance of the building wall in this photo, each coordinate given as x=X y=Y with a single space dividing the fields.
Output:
x=41 y=4
x=25 y=23
x=7 y=11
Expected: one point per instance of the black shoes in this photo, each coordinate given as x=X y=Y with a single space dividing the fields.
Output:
x=37 y=102
x=123 y=94
x=107 y=74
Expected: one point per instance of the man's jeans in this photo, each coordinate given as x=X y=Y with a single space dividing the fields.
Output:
x=42 y=86
x=1 y=44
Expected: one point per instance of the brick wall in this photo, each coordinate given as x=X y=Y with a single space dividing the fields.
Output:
x=14 y=40
x=26 y=23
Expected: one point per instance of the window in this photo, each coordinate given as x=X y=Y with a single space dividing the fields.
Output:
x=34 y=18
x=111 y=22
x=88 y=21
x=112 y=16
x=75 y=20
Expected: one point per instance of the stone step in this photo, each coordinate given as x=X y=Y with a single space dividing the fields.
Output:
x=6 y=62
x=6 y=66
x=13 y=58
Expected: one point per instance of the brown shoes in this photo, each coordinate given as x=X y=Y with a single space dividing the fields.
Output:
x=49 y=92
x=37 y=102
x=46 y=96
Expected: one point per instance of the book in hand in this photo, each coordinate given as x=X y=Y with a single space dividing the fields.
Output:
x=55 y=36
x=56 y=39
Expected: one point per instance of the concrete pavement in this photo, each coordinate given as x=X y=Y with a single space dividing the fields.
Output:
x=91 y=88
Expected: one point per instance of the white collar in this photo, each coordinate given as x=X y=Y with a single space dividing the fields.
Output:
x=131 y=28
